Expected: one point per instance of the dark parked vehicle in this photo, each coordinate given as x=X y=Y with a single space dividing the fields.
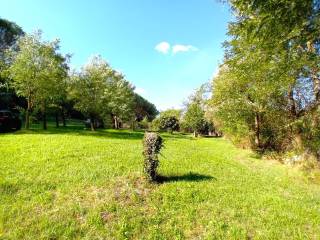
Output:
x=9 y=121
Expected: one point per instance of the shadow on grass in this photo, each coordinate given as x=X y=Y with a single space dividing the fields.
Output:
x=80 y=130
x=76 y=131
x=209 y=136
x=189 y=177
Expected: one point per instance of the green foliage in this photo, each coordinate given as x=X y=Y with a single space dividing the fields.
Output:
x=194 y=118
x=155 y=124
x=144 y=109
x=177 y=113
x=197 y=117
x=87 y=88
x=169 y=123
x=119 y=97
x=167 y=120
x=267 y=91
x=37 y=70
x=9 y=33
x=152 y=144
x=99 y=91
x=144 y=124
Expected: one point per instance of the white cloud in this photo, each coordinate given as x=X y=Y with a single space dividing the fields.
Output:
x=183 y=48
x=163 y=47
x=140 y=90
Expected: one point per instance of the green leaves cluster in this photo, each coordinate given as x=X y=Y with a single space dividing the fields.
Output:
x=267 y=92
x=38 y=71
x=99 y=91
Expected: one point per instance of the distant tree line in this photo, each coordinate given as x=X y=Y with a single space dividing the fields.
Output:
x=195 y=117
x=35 y=79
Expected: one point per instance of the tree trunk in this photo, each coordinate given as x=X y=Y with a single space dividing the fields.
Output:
x=116 y=126
x=297 y=132
x=44 y=115
x=27 y=124
x=195 y=134
x=257 y=123
x=92 y=123
x=57 y=119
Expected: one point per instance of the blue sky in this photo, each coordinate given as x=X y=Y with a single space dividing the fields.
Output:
x=166 y=48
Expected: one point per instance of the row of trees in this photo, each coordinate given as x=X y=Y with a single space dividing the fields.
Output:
x=36 y=71
x=267 y=92
x=194 y=117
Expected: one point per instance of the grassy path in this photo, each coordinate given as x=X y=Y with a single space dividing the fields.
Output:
x=64 y=184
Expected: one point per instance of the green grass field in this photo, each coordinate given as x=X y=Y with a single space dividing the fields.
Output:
x=74 y=184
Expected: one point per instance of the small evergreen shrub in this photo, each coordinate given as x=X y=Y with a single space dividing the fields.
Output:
x=152 y=144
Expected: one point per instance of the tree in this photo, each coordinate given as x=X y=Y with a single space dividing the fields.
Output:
x=194 y=118
x=9 y=33
x=38 y=72
x=168 y=120
x=268 y=86
x=177 y=113
x=144 y=109
x=169 y=123
x=197 y=118
x=120 y=99
x=88 y=88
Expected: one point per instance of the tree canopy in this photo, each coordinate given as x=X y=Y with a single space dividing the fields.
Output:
x=38 y=71
x=267 y=91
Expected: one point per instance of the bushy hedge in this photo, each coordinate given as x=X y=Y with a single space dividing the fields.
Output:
x=152 y=144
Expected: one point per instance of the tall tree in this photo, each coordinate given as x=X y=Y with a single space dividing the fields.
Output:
x=143 y=108
x=269 y=82
x=9 y=33
x=89 y=86
x=38 y=72
x=194 y=117
x=120 y=99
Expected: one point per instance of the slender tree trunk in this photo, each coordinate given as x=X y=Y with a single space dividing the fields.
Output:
x=116 y=122
x=195 y=133
x=297 y=132
x=27 y=123
x=44 y=115
x=92 y=123
x=57 y=119
x=257 y=123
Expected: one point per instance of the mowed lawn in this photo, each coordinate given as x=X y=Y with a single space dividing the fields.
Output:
x=75 y=184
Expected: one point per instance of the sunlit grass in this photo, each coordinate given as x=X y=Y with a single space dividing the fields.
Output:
x=72 y=183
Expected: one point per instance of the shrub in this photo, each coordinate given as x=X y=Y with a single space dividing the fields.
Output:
x=152 y=144
x=169 y=123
